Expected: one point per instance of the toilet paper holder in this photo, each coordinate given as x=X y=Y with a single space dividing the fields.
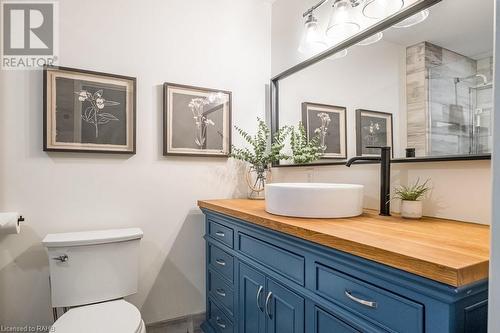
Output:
x=20 y=219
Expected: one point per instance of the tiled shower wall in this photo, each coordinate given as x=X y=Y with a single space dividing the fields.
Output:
x=439 y=117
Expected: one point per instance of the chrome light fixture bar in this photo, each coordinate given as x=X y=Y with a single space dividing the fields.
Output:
x=354 y=3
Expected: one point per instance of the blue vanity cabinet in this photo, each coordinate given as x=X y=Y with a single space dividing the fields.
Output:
x=263 y=281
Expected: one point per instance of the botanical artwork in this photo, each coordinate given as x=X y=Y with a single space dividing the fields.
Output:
x=88 y=111
x=94 y=113
x=373 y=129
x=327 y=123
x=197 y=121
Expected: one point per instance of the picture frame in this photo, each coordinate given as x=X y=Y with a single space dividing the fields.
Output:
x=196 y=121
x=373 y=128
x=330 y=123
x=88 y=112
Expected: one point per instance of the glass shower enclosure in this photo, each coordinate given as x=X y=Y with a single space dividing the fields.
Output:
x=460 y=111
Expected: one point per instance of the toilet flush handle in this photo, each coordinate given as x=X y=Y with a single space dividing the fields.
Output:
x=62 y=258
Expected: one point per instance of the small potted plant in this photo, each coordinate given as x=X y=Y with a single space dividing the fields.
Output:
x=411 y=198
x=260 y=156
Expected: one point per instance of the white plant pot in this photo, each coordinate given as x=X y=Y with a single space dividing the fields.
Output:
x=411 y=209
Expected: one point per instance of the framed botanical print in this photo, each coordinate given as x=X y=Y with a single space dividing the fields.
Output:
x=328 y=122
x=197 y=121
x=87 y=111
x=373 y=129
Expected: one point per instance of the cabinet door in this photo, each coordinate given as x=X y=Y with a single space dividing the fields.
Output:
x=328 y=323
x=251 y=300
x=284 y=309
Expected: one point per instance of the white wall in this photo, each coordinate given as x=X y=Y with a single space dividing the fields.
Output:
x=221 y=44
x=494 y=283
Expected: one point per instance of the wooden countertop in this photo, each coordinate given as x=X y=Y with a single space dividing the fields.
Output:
x=451 y=252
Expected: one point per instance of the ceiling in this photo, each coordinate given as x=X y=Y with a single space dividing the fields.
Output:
x=463 y=26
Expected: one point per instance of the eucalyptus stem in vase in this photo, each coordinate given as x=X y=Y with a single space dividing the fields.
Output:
x=305 y=150
x=260 y=154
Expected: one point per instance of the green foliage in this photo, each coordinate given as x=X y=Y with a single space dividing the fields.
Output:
x=413 y=192
x=262 y=153
x=304 y=151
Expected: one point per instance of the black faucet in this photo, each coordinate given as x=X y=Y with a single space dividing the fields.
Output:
x=385 y=176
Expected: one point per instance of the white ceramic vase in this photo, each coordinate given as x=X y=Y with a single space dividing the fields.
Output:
x=411 y=209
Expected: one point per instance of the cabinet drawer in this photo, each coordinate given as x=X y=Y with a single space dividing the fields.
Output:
x=221 y=291
x=218 y=319
x=388 y=309
x=220 y=232
x=221 y=261
x=328 y=323
x=282 y=261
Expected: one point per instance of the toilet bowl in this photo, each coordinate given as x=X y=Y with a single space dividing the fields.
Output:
x=108 y=317
x=90 y=273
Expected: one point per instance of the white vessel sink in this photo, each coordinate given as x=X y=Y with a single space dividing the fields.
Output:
x=314 y=200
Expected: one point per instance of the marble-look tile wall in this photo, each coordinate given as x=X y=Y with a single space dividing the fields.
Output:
x=438 y=105
x=416 y=98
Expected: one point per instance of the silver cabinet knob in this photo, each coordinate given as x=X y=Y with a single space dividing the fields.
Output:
x=221 y=323
x=268 y=302
x=369 y=304
x=62 y=258
x=221 y=292
x=220 y=262
x=259 y=292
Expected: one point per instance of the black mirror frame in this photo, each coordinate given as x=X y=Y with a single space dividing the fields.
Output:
x=380 y=26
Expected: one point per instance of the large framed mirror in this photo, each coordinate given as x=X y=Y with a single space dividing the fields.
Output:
x=418 y=80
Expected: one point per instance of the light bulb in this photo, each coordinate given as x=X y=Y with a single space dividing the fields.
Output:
x=313 y=39
x=342 y=23
x=379 y=9
x=413 y=20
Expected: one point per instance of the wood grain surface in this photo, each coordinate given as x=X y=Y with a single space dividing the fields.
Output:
x=451 y=252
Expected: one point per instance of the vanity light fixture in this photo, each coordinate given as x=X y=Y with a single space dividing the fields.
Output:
x=413 y=20
x=378 y=9
x=342 y=21
x=313 y=38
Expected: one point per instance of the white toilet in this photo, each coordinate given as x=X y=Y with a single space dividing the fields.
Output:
x=90 y=273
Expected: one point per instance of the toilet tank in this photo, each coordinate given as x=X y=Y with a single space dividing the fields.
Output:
x=93 y=266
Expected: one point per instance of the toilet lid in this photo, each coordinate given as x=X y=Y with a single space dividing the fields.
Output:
x=108 y=317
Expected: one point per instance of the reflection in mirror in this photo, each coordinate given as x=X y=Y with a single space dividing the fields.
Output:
x=330 y=22
x=425 y=90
